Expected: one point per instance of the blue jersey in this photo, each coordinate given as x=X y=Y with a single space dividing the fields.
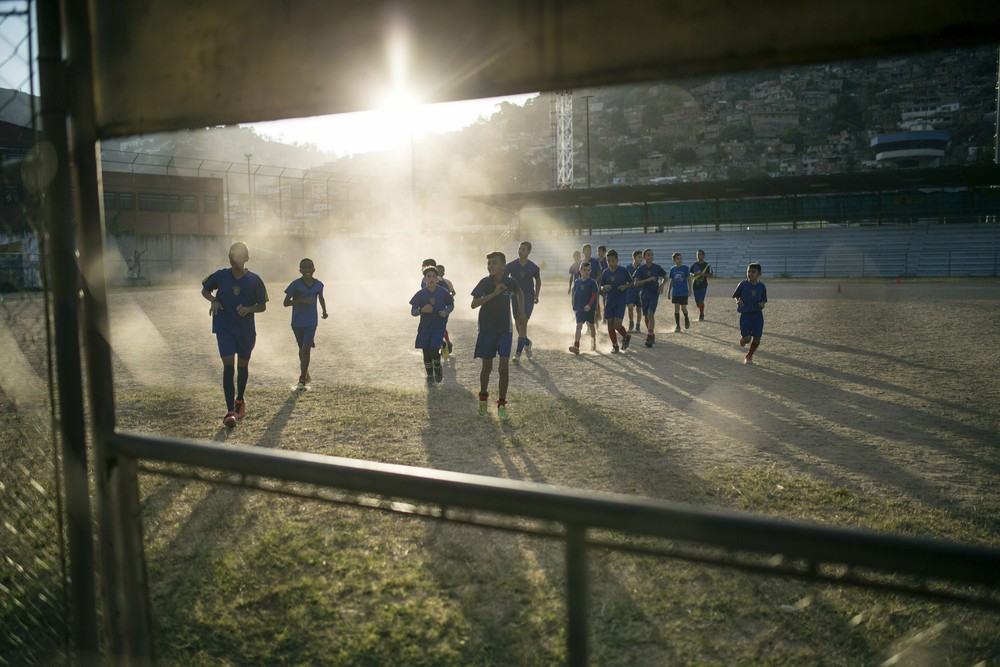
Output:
x=679 y=280
x=432 y=322
x=751 y=295
x=494 y=315
x=524 y=275
x=632 y=293
x=584 y=291
x=304 y=314
x=232 y=292
x=649 y=290
x=616 y=278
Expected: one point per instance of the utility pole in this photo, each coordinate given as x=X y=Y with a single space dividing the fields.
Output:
x=587 y=98
x=253 y=225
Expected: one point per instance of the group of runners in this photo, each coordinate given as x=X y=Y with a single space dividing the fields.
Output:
x=600 y=288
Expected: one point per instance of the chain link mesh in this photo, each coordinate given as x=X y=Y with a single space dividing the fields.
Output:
x=33 y=626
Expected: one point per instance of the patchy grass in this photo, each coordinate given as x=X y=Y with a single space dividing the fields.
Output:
x=248 y=577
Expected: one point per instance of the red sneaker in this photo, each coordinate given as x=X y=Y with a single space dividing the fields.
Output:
x=230 y=419
x=241 y=409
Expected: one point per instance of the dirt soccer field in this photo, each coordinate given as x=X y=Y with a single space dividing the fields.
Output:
x=874 y=385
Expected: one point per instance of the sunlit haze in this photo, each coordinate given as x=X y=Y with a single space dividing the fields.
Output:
x=385 y=128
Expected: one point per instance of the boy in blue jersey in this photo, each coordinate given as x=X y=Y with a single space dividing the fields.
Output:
x=632 y=294
x=680 y=288
x=751 y=296
x=493 y=294
x=614 y=283
x=585 y=293
x=649 y=278
x=529 y=279
x=595 y=272
x=235 y=294
x=574 y=271
x=302 y=295
x=432 y=304
x=701 y=271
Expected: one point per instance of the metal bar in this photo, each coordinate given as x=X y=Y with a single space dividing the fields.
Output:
x=889 y=553
x=577 y=596
x=63 y=269
x=127 y=613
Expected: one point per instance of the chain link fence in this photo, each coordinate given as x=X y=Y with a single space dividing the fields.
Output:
x=33 y=597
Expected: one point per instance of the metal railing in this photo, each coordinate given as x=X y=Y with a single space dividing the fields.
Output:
x=584 y=521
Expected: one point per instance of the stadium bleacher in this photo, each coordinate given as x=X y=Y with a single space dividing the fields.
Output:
x=919 y=250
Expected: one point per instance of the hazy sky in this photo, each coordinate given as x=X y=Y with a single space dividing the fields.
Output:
x=383 y=129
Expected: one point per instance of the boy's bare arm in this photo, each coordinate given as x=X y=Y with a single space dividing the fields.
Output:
x=216 y=304
x=322 y=303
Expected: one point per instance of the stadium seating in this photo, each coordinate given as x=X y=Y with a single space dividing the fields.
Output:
x=919 y=250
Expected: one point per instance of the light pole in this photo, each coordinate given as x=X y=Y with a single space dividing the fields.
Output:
x=587 y=98
x=250 y=192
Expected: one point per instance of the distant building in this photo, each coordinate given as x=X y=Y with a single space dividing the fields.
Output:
x=920 y=148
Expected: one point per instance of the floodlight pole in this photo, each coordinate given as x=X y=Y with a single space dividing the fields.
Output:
x=587 y=98
x=253 y=225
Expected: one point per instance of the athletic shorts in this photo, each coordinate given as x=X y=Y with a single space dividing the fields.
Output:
x=616 y=311
x=699 y=294
x=585 y=317
x=752 y=324
x=431 y=338
x=489 y=345
x=305 y=336
x=679 y=300
x=632 y=297
x=649 y=304
x=529 y=305
x=241 y=346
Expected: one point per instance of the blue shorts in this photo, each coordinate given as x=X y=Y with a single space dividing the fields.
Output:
x=241 y=346
x=529 y=305
x=305 y=336
x=614 y=311
x=632 y=297
x=649 y=304
x=752 y=324
x=699 y=294
x=488 y=345
x=585 y=317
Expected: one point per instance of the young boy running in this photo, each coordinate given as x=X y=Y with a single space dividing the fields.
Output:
x=493 y=294
x=680 y=288
x=235 y=294
x=649 y=277
x=702 y=271
x=585 y=291
x=614 y=284
x=751 y=296
x=632 y=294
x=432 y=304
x=529 y=279
x=302 y=295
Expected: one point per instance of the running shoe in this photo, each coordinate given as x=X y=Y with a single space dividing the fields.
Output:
x=301 y=386
x=482 y=408
x=575 y=349
x=677 y=329
x=438 y=373
x=748 y=360
x=625 y=341
x=701 y=318
x=687 y=322
x=615 y=350
x=241 y=408
x=230 y=419
x=516 y=360
x=527 y=349
x=502 y=412
x=649 y=342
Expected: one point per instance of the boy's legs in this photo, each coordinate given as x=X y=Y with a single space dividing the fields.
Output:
x=428 y=363
x=575 y=347
x=677 y=317
x=228 y=381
